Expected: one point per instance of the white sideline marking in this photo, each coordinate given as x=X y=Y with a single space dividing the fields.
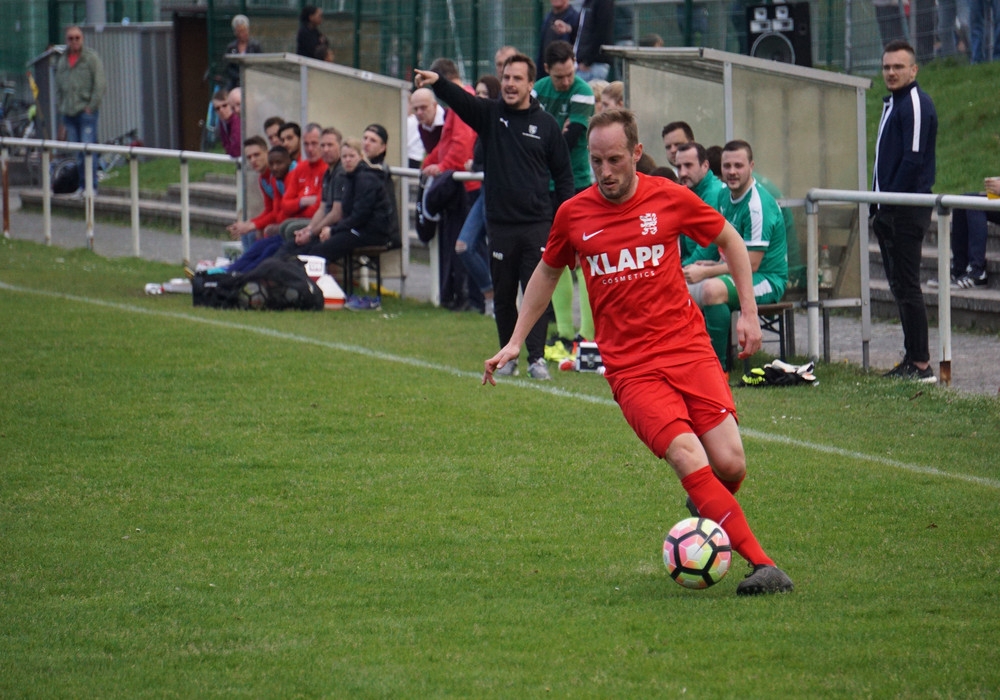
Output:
x=533 y=385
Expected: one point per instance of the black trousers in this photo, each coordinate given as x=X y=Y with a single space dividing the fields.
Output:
x=515 y=251
x=900 y=232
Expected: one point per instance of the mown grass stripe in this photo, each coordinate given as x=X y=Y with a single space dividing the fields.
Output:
x=522 y=384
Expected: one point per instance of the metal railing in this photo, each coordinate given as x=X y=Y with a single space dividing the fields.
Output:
x=943 y=204
x=133 y=153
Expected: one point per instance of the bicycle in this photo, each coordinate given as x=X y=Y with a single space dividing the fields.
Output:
x=18 y=118
x=107 y=162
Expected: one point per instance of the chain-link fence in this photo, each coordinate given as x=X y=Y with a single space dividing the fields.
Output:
x=392 y=36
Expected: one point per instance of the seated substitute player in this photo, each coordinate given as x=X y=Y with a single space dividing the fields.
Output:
x=657 y=355
x=758 y=219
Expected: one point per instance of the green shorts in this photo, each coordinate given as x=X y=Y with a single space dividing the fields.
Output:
x=764 y=291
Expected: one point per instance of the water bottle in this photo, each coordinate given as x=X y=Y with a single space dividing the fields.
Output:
x=826 y=274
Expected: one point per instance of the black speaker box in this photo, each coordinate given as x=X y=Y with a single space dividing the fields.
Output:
x=780 y=32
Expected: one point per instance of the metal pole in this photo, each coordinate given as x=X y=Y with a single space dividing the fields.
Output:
x=133 y=185
x=475 y=43
x=185 y=214
x=47 y=196
x=6 y=193
x=88 y=197
x=688 y=21
x=812 y=276
x=357 y=33
x=944 y=291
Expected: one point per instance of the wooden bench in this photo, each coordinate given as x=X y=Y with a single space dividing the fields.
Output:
x=778 y=319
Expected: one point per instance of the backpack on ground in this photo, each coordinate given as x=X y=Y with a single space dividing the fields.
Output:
x=65 y=176
x=275 y=284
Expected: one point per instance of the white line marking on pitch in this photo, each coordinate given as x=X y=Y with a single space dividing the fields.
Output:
x=523 y=384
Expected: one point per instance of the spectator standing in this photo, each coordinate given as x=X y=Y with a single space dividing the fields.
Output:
x=905 y=162
x=569 y=99
x=756 y=216
x=241 y=45
x=450 y=155
x=500 y=58
x=523 y=150
x=80 y=87
x=979 y=30
x=471 y=245
x=310 y=41
x=430 y=120
x=596 y=29
x=559 y=25
x=657 y=357
x=228 y=128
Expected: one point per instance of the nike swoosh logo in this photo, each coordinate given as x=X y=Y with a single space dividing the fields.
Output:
x=588 y=236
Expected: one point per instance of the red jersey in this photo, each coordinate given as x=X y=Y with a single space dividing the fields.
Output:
x=305 y=180
x=643 y=314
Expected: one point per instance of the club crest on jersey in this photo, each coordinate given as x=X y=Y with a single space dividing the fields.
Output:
x=637 y=261
x=532 y=129
x=648 y=223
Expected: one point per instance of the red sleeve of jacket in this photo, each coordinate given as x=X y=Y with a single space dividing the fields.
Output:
x=456 y=145
x=305 y=180
x=266 y=217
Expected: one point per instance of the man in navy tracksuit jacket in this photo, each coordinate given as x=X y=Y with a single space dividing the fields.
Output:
x=523 y=149
x=904 y=162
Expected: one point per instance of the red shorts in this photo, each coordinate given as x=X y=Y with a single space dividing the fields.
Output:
x=669 y=401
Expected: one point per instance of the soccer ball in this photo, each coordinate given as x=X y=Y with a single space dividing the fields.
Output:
x=697 y=553
x=252 y=296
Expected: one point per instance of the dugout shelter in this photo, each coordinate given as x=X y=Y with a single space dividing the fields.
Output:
x=305 y=90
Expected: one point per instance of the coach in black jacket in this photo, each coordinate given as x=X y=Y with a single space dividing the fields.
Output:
x=905 y=162
x=523 y=151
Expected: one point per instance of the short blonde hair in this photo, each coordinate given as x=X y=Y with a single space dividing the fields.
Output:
x=240 y=21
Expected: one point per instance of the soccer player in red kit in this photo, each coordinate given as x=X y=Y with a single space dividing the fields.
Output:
x=657 y=355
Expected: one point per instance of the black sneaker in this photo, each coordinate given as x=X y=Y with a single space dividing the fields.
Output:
x=907 y=370
x=971 y=280
x=765 y=579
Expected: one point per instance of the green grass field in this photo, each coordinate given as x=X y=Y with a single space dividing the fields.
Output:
x=199 y=503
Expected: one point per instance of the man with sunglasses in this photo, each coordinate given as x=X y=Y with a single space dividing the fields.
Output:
x=80 y=86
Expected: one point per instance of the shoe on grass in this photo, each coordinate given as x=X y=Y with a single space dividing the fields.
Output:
x=558 y=349
x=907 y=370
x=539 y=370
x=508 y=370
x=765 y=579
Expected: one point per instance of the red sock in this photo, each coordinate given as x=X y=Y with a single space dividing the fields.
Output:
x=714 y=501
x=733 y=486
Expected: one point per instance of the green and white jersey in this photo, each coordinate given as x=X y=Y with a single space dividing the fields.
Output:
x=761 y=223
x=575 y=106
x=711 y=190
